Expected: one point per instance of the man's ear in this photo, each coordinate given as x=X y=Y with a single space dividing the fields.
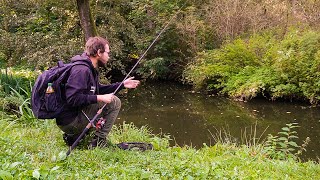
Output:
x=98 y=52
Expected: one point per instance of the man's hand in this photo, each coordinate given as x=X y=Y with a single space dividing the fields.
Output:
x=131 y=83
x=106 y=98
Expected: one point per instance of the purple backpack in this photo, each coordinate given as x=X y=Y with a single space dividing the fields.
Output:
x=45 y=105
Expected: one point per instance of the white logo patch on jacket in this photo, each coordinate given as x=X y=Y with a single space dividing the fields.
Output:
x=93 y=89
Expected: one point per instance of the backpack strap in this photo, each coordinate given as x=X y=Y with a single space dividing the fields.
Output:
x=60 y=64
x=81 y=63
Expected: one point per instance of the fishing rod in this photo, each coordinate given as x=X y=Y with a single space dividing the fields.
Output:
x=91 y=123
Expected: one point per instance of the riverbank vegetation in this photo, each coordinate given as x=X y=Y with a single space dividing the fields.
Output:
x=262 y=65
x=37 y=151
x=242 y=49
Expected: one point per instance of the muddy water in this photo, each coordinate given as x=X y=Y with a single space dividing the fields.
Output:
x=193 y=118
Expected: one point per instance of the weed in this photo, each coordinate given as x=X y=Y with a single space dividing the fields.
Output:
x=284 y=146
x=25 y=110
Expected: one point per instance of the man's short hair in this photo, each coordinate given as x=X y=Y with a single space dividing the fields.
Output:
x=93 y=44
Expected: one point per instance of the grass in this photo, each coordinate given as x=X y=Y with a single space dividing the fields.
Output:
x=36 y=150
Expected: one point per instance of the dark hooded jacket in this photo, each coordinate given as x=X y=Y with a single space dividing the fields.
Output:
x=82 y=88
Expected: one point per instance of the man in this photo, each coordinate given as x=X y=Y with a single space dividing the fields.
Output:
x=85 y=95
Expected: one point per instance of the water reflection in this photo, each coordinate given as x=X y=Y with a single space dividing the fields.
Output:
x=189 y=117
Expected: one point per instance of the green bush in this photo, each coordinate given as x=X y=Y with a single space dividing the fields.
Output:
x=262 y=65
x=251 y=82
x=155 y=69
x=298 y=63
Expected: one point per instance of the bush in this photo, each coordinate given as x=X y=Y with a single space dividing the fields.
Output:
x=262 y=65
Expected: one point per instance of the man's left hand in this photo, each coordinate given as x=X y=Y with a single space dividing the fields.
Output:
x=131 y=83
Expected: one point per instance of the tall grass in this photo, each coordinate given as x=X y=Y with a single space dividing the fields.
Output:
x=25 y=110
x=281 y=146
x=16 y=89
x=16 y=79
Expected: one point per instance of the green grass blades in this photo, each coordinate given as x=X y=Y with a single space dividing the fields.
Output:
x=37 y=151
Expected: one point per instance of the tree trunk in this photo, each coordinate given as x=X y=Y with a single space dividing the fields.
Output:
x=86 y=19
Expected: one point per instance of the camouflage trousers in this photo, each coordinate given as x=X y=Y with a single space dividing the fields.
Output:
x=110 y=113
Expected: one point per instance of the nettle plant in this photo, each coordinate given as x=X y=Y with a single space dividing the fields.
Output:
x=284 y=146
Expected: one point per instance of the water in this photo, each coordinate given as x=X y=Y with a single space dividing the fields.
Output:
x=192 y=118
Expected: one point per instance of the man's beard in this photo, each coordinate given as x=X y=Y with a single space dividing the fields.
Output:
x=100 y=63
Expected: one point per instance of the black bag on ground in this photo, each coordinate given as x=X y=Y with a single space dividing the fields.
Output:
x=50 y=105
x=141 y=146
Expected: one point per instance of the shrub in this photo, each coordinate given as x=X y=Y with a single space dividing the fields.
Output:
x=262 y=65
x=297 y=63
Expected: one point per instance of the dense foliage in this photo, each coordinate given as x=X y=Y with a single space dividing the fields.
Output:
x=37 y=33
x=261 y=65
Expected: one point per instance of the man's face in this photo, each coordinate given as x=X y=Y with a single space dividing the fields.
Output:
x=104 y=57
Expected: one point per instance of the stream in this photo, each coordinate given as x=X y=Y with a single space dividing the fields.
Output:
x=192 y=118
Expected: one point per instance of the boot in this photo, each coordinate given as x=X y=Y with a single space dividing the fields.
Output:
x=69 y=139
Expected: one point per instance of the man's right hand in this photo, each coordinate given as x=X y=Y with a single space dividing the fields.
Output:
x=106 y=98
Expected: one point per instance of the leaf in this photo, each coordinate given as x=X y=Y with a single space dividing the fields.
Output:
x=283 y=139
x=284 y=133
x=292 y=136
x=62 y=155
x=36 y=174
x=15 y=164
x=55 y=168
x=294 y=144
x=54 y=158
x=44 y=172
x=145 y=175
x=5 y=175
x=290 y=149
x=285 y=129
x=190 y=177
x=282 y=144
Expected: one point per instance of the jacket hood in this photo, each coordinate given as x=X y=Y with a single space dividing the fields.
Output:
x=83 y=57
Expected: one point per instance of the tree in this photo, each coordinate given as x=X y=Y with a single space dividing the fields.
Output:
x=86 y=19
